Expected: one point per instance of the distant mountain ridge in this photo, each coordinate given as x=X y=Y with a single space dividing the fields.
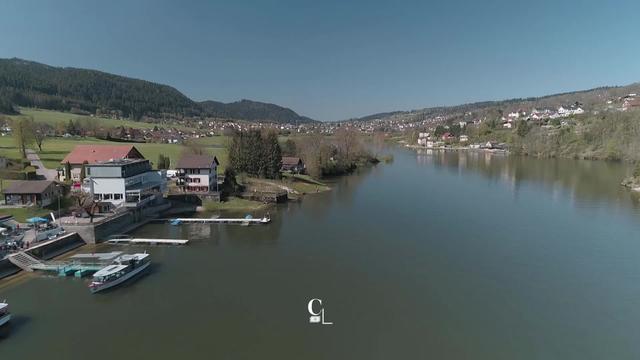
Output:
x=589 y=98
x=31 y=84
x=252 y=111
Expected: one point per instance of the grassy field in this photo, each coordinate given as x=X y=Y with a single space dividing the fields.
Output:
x=233 y=203
x=54 y=117
x=213 y=141
x=22 y=214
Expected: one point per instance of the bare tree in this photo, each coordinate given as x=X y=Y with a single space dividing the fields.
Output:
x=40 y=132
x=23 y=133
x=347 y=141
x=85 y=202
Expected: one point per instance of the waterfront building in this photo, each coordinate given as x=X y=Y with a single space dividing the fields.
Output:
x=90 y=154
x=293 y=164
x=125 y=182
x=197 y=173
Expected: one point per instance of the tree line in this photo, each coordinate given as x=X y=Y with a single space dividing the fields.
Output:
x=256 y=153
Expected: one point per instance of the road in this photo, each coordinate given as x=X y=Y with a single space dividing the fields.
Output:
x=41 y=170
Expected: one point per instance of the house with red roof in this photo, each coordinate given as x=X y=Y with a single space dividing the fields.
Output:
x=92 y=154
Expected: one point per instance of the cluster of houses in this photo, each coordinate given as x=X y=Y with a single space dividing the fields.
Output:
x=431 y=141
x=536 y=115
x=118 y=176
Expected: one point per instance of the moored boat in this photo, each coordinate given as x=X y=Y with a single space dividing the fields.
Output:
x=123 y=268
x=5 y=315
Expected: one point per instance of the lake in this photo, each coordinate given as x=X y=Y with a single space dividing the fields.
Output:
x=435 y=255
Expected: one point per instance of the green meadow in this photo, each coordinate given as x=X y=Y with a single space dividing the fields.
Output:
x=55 y=117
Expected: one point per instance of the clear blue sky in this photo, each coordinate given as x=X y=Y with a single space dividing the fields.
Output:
x=335 y=59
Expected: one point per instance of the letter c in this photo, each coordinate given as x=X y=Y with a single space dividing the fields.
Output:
x=310 y=306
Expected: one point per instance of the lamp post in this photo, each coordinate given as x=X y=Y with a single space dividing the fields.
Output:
x=59 y=196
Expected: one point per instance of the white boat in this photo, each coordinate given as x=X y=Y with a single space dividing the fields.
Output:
x=5 y=315
x=124 y=268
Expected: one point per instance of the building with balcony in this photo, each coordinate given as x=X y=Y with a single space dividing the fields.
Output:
x=197 y=174
x=125 y=182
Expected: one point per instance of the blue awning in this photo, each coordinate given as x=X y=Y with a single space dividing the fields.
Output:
x=36 y=219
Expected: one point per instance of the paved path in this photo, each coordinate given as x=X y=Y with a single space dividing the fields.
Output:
x=49 y=174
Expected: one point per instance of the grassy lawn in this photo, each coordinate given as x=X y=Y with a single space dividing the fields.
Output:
x=233 y=203
x=174 y=151
x=54 y=117
x=219 y=141
x=22 y=214
x=8 y=148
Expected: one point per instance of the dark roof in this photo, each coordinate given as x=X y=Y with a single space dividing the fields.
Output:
x=290 y=161
x=28 y=186
x=196 y=162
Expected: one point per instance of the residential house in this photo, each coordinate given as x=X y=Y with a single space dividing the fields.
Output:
x=33 y=192
x=447 y=136
x=125 y=182
x=293 y=164
x=464 y=138
x=96 y=153
x=422 y=138
x=198 y=173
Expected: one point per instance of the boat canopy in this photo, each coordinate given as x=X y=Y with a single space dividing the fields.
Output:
x=128 y=257
x=37 y=219
x=109 y=270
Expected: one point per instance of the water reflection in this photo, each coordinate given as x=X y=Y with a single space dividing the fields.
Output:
x=584 y=181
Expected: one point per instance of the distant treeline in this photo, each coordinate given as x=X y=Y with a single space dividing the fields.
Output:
x=30 y=84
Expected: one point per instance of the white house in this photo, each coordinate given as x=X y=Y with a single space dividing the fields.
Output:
x=125 y=182
x=464 y=138
x=198 y=173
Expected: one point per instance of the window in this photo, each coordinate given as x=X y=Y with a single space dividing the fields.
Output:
x=107 y=196
x=117 y=196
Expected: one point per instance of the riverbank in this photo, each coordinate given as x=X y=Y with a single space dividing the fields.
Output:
x=459 y=148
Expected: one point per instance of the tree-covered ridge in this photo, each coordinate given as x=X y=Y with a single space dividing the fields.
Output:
x=253 y=111
x=31 y=84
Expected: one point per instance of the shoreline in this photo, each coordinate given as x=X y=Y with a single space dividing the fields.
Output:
x=459 y=148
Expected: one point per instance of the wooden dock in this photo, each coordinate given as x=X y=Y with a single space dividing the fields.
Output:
x=241 y=221
x=148 y=241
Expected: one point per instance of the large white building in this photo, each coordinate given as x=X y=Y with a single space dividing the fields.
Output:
x=125 y=182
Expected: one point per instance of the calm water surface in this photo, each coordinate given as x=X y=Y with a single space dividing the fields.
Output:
x=442 y=256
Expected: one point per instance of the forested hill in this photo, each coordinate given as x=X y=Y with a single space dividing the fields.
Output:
x=253 y=111
x=31 y=84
